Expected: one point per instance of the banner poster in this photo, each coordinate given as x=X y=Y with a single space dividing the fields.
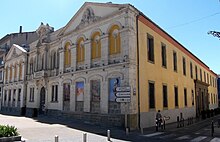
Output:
x=113 y=84
x=79 y=91
x=95 y=90
x=66 y=92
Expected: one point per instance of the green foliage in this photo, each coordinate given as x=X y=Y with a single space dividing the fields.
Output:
x=8 y=131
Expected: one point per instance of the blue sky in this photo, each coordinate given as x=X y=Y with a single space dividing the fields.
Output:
x=188 y=21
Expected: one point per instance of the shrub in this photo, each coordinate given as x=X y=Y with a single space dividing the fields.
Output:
x=8 y=131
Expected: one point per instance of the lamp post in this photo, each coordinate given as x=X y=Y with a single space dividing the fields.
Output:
x=215 y=34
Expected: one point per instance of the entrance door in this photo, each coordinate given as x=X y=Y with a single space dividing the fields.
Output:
x=66 y=96
x=42 y=101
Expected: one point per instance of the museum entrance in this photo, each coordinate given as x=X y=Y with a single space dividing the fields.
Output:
x=42 y=101
x=201 y=97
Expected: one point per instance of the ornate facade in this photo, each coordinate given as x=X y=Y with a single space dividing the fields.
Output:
x=77 y=71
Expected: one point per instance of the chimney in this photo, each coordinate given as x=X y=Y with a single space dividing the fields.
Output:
x=20 y=31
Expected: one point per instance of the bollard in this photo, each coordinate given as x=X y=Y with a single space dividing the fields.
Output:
x=56 y=138
x=142 y=130
x=164 y=124
x=84 y=137
x=108 y=135
x=178 y=122
x=127 y=131
x=156 y=125
x=212 y=130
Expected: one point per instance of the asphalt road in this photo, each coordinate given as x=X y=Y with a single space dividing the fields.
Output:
x=44 y=129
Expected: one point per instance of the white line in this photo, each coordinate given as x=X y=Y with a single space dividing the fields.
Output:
x=198 y=139
x=167 y=136
x=215 y=140
x=154 y=134
x=183 y=137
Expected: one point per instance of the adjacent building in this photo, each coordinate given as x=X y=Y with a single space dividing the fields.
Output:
x=112 y=65
x=22 y=39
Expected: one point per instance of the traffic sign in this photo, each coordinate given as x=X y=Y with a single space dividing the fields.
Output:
x=123 y=89
x=123 y=94
x=123 y=100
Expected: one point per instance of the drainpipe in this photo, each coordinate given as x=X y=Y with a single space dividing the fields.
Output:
x=138 y=78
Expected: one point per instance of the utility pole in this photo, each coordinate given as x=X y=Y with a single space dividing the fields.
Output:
x=215 y=34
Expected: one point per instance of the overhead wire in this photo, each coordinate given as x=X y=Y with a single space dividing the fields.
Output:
x=193 y=21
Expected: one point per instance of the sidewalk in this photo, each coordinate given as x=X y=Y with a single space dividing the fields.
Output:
x=197 y=124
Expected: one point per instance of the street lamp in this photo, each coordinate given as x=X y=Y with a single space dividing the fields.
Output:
x=215 y=34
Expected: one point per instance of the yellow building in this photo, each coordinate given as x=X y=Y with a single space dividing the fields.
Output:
x=111 y=65
x=170 y=77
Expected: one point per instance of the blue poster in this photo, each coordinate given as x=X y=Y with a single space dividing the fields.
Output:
x=79 y=91
x=113 y=84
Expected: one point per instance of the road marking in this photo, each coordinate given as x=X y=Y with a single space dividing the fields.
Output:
x=198 y=139
x=183 y=137
x=167 y=136
x=154 y=134
x=215 y=140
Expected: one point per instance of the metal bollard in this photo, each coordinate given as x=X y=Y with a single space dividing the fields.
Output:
x=156 y=125
x=108 y=135
x=84 y=137
x=212 y=130
x=56 y=138
x=164 y=124
x=127 y=131
x=178 y=121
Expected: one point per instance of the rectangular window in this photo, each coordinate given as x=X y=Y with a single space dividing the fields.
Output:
x=191 y=70
x=19 y=94
x=1 y=75
x=163 y=55
x=165 y=104
x=200 y=75
x=184 y=66
x=204 y=77
x=208 y=78
x=150 y=48
x=185 y=96
x=31 y=98
x=54 y=96
x=192 y=98
x=151 y=95
x=196 y=72
x=56 y=93
x=9 y=96
x=5 y=98
x=174 y=61
x=176 y=96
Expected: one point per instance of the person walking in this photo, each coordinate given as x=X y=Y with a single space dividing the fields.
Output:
x=158 y=118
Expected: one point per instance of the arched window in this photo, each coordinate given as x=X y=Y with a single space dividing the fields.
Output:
x=42 y=64
x=10 y=73
x=54 y=59
x=80 y=50
x=20 y=71
x=15 y=71
x=35 y=63
x=96 y=46
x=31 y=66
x=58 y=58
x=67 y=55
x=6 y=74
x=114 y=40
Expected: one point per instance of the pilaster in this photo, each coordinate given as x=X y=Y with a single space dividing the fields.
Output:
x=104 y=49
x=88 y=53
